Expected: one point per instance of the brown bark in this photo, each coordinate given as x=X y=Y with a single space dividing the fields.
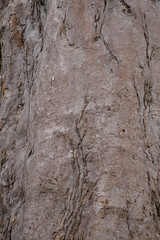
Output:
x=79 y=120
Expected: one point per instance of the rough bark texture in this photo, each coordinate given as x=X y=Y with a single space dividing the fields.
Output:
x=79 y=120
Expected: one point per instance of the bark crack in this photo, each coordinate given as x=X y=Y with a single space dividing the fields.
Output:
x=98 y=23
x=79 y=192
x=128 y=221
x=148 y=81
x=146 y=37
x=146 y=105
x=126 y=6
x=63 y=30
x=137 y=94
x=109 y=50
x=105 y=5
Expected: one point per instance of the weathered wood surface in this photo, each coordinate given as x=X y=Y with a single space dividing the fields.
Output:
x=79 y=120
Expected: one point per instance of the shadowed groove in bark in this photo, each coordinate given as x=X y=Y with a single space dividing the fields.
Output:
x=64 y=30
x=109 y=50
x=136 y=91
x=105 y=5
x=39 y=14
x=147 y=98
x=31 y=65
x=148 y=80
x=99 y=35
x=131 y=236
x=79 y=191
x=155 y=203
x=128 y=8
x=146 y=109
x=146 y=36
x=4 y=4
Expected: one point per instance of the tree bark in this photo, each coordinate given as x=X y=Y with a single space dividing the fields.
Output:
x=79 y=120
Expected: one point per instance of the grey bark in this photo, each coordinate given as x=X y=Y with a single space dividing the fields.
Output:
x=79 y=120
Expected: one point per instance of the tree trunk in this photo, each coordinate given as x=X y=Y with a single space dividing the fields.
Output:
x=79 y=120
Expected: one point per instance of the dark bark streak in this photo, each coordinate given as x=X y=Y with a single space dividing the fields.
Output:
x=137 y=94
x=79 y=191
x=32 y=62
x=109 y=50
x=64 y=29
x=155 y=203
x=128 y=7
x=84 y=108
x=146 y=36
x=99 y=35
x=105 y=5
x=128 y=222
x=147 y=100
x=148 y=80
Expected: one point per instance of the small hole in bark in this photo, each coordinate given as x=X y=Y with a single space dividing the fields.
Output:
x=4 y=3
x=30 y=153
x=128 y=10
x=123 y=130
x=96 y=38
